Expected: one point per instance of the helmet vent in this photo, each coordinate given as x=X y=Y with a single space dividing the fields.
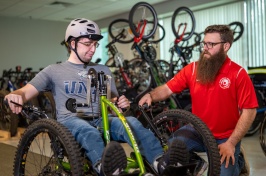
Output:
x=83 y=21
x=91 y=31
x=91 y=25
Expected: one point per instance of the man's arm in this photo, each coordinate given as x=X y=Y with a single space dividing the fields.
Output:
x=20 y=96
x=227 y=149
x=158 y=94
x=245 y=121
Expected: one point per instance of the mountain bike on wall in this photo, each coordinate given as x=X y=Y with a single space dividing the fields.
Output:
x=143 y=24
x=128 y=81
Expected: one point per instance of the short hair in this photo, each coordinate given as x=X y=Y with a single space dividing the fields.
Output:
x=225 y=32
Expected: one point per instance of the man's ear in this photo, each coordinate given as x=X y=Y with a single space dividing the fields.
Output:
x=227 y=46
x=72 y=44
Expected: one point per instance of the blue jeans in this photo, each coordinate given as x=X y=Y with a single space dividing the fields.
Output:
x=194 y=144
x=90 y=138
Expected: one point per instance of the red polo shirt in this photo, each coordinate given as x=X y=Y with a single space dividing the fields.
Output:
x=218 y=104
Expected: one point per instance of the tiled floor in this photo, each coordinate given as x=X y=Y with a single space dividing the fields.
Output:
x=256 y=158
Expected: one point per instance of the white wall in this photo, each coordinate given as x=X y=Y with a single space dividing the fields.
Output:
x=30 y=43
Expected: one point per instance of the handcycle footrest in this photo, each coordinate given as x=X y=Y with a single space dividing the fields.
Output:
x=187 y=170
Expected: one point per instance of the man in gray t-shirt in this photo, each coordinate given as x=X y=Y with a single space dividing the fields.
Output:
x=68 y=80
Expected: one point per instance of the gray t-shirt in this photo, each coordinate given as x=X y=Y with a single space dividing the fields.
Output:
x=67 y=80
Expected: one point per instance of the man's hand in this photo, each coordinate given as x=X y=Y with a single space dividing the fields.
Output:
x=146 y=99
x=122 y=102
x=17 y=99
x=227 y=151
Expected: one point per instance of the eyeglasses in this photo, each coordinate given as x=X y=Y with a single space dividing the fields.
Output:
x=90 y=44
x=209 y=45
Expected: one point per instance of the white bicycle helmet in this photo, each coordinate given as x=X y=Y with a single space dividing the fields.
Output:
x=82 y=27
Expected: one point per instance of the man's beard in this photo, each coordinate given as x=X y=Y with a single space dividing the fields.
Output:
x=209 y=67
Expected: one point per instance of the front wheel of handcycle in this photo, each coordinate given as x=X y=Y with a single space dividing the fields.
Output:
x=47 y=148
x=169 y=121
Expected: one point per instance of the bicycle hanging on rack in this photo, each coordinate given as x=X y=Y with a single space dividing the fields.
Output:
x=127 y=81
x=143 y=23
x=183 y=26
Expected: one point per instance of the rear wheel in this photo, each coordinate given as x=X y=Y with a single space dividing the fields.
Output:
x=8 y=120
x=169 y=121
x=47 y=148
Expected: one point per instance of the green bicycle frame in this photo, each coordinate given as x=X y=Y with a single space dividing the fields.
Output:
x=104 y=104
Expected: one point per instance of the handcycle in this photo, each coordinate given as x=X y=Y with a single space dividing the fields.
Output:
x=48 y=148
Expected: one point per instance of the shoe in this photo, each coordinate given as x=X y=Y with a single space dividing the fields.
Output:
x=114 y=160
x=177 y=155
x=245 y=171
x=202 y=165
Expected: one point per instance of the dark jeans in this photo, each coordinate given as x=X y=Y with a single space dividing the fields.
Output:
x=194 y=144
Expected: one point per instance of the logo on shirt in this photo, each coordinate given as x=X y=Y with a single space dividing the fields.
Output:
x=225 y=83
x=83 y=74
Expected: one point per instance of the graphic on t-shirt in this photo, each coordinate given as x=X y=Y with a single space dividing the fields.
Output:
x=83 y=74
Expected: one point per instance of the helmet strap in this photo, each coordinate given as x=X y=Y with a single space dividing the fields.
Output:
x=75 y=50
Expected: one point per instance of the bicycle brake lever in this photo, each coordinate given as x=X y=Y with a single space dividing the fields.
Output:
x=6 y=103
x=145 y=106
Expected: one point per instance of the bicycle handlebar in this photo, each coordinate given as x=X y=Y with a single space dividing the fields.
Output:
x=29 y=111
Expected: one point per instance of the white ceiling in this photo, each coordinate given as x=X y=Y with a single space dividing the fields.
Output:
x=66 y=10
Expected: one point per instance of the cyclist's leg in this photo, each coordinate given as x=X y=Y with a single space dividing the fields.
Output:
x=87 y=136
x=149 y=145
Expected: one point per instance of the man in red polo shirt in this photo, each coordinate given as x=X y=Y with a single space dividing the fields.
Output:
x=222 y=96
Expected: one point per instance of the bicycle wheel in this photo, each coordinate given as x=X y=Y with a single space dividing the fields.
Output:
x=47 y=148
x=143 y=20
x=168 y=122
x=183 y=16
x=163 y=67
x=8 y=120
x=263 y=135
x=47 y=104
x=120 y=27
x=139 y=74
x=259 y=116
x=238 y=29
x=158 y=35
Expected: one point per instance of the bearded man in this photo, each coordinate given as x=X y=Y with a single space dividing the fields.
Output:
x=222 y=96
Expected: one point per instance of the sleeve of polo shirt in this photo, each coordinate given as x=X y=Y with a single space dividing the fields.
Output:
x=180 y=81
x=245 y=91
